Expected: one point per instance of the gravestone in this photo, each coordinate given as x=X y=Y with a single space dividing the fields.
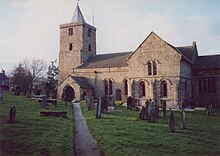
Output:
x=143 y=113
x=129 y=102
x=44 y=102
x=152 y=112
x=104 y=104
x=1 y=95
x=183 y=119
x=208 y=110
x=99 y=108
x=164 y=105
x=12 y=114
x=171 y=121
x=89 y=102
x=111 y=101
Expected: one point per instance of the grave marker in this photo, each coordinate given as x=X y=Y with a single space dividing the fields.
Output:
x=171 y=121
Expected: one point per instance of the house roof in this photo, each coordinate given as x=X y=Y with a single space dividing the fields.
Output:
x=107 y=60
x=82 y=82
x=3 y=76
x=78 y=16
x=207 y=62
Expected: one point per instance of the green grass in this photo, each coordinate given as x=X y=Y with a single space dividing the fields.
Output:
x=32 y=134
x=122 y=133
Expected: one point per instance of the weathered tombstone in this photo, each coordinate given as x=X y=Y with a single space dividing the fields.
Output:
x=44 y=102
x=129 y=102
x=89 y=102
x=164 y=105
x=104 y=104
x=99 y=108
x=152 y=112
x=141 y=113
x=12 y=114
x=171 y=121
x=1 y=95
x=183 y=119
x=111 y=101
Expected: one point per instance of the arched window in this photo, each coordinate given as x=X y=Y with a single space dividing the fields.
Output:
x=106 y=87
x=149 y=66
x=142 y=88
x=110 y=87
x=163 y=89
x=154 y=68
x=126 y=87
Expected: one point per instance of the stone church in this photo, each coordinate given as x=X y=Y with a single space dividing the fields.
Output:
x=154 y=70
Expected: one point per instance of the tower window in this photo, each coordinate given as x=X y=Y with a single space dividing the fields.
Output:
x=89 y=49
x=70 y=31
x=70 y=46
x=89 y=33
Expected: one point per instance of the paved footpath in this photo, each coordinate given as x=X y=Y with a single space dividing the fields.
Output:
x=85 y=144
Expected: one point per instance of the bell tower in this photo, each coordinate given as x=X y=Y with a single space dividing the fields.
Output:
x=77 y=44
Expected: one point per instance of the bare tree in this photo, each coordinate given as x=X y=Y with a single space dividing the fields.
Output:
x=37 y=68
x=29 y=73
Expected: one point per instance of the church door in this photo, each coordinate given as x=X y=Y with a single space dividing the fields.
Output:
x=70 y=94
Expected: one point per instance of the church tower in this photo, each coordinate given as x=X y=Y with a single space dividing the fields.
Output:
x=77 y=44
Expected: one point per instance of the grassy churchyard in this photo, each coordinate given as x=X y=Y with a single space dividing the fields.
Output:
x=32 y=134
x=122 y=133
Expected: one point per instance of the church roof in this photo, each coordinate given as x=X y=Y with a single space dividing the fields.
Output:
x=3 y=76
x=78 y=16
x=207 y=62
x=108 y=60
x=82 y=82
x=187 y=51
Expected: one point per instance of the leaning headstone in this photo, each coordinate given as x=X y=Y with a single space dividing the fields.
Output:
x=104 y=104
x=152 y=114
x=171 y=121
x=129 y=102
x=164 y=105
x=99 y=108
x=1 y=95
x=183 y=119
x=12 y=114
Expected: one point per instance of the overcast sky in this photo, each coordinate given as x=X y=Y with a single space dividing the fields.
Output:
x=30 y=28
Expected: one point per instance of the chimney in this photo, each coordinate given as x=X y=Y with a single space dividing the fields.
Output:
x=3 y=71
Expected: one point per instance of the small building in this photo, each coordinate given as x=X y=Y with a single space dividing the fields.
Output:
x=4 y=81
x=154 y=70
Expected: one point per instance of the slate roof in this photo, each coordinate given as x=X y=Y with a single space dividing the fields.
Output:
x=107 y=60
x=187 y=51
x=207 y=62
x=3 y=76
x=82 y=82
x=78 y=16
